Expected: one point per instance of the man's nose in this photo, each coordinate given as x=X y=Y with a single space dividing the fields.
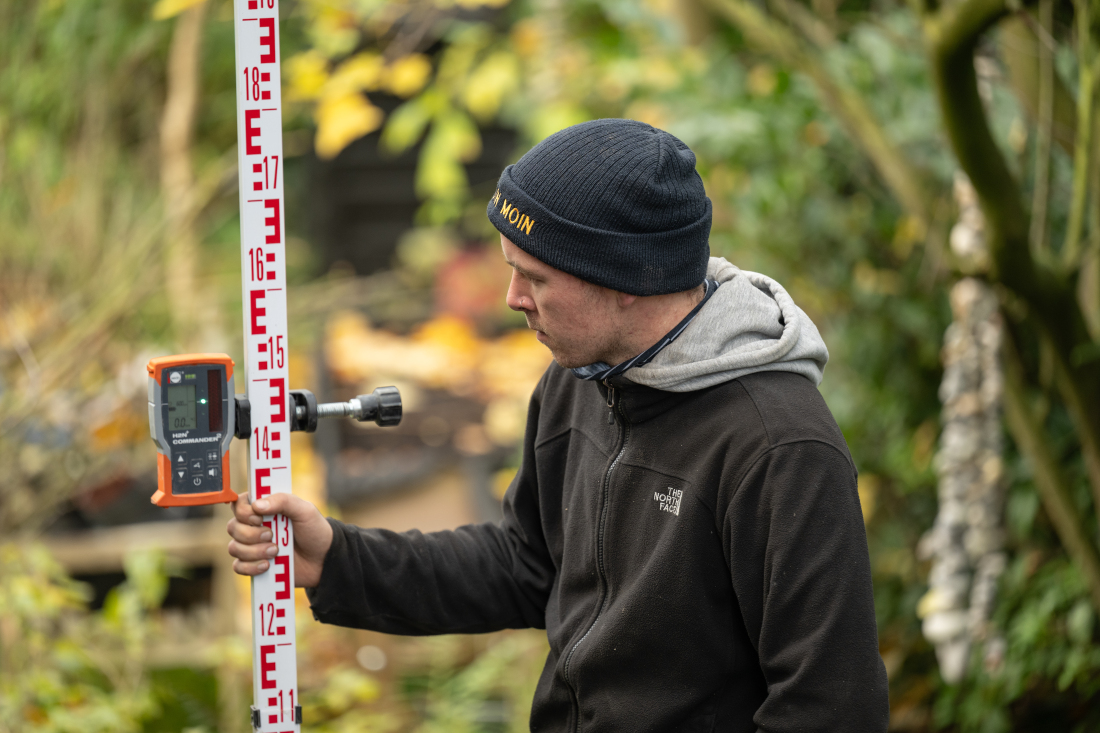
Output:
x=518 y=298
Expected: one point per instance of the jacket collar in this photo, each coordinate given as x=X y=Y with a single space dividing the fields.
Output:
x=637 y=402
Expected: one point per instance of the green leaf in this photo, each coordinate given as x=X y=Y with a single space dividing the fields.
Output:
x=406 y=125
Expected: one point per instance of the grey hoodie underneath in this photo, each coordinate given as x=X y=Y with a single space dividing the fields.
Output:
x=749 y=325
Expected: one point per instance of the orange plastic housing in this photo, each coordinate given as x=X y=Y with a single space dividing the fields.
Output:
x=156 y=366
x=164 y=496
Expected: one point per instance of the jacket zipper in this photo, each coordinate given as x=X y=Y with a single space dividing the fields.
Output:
x=611 y=404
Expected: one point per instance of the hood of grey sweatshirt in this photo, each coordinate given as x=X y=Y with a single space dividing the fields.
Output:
x=749 y=325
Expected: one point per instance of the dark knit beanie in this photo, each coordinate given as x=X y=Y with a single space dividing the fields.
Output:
x=614 y=202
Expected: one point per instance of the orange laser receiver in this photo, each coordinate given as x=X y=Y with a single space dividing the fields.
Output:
x=191 y=416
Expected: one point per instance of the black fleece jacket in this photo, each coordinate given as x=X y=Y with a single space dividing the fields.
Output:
x=699 y=563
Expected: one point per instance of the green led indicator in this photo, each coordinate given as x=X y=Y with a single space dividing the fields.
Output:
x=202 y=402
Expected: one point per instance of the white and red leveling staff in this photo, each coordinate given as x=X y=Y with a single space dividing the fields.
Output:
x=276 y=707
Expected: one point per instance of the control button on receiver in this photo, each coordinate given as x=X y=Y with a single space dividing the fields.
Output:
x=196 y=480
x=212 y=456
x=181 y=459
x=196 y=465
x=212 y=473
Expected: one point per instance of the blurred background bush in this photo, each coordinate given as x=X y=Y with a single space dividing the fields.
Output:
x=838 y=142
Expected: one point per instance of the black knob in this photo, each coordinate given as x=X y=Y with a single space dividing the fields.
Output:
x=383 y=406
x=304 y=418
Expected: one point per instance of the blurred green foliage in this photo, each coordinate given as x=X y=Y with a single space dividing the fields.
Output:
x=67 y=670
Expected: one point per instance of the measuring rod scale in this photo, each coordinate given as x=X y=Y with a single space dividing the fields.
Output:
x=276 y=706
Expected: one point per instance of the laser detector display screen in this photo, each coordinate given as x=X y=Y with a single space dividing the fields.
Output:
x=181 y=407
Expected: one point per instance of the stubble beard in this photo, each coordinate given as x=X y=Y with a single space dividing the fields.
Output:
x=566 y=358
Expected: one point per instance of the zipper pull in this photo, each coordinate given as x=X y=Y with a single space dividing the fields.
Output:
x=610 y=404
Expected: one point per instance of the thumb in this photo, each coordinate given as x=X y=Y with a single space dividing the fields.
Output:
x=289 y=505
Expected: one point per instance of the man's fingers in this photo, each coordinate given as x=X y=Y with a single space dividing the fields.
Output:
x=249 y=568
x=252 y=553
x=288 y=505
x=246 y=533
x=242 y=510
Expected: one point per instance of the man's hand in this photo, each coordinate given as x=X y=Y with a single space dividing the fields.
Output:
x=252 y=544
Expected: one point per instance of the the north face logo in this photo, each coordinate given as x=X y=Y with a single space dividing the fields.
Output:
x=669 y=501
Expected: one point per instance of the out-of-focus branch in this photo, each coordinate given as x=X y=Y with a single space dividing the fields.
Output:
x=1041 y=194
x=1087 y=70
x=177 y=176
x=951 y=35
x=1027 y=431
x=905 y=181
x=1020 y=49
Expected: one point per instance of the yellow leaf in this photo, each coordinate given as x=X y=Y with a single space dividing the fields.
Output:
x=307 y=75
x=527 y=37
x=496 y=77
x=762 y=80
x=454 y=139
x=867 y=486
x=455 y=334
x=343 y=119
x=405 y=126
x=409 y=74
x=362 y=72
x=333 y=31
x=650 y=113
x=165 y=9
x=556 y=117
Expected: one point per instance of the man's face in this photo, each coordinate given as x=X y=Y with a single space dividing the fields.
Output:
x=576 y=320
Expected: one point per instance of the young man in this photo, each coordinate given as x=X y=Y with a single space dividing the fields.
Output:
x=685 y=523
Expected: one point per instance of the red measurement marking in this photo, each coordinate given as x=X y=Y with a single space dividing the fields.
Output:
x=282 y=562
x=267 y=41
x=257 y=186
x=276 y=453
x=257 y=167
x=265 y=95
x=250 y=132
x=278 y=400
x=258 y=312
x=273 y=221
x=264 y=76
x=276 y=436
x=270 y=256
x=262 y=489
x=266 y=666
